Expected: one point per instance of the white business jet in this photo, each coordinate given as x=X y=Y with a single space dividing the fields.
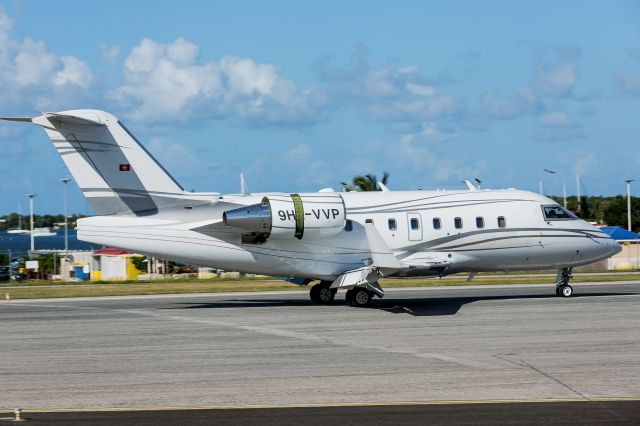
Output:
x=347 y=240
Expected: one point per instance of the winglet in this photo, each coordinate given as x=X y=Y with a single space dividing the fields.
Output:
x=381 y=254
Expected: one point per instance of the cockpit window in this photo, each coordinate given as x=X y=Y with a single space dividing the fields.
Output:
x=556 y=213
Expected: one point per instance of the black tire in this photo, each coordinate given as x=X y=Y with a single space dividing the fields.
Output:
x=361 y=297
x=565 y=290
x=321 y=294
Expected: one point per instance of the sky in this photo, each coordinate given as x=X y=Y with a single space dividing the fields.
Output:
x=301 y=96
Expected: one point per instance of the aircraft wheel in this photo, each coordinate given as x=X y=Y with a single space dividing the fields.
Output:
x=321 y=294
x=359 y=297
x=564 y=290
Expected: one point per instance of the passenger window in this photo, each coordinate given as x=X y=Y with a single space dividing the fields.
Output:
x=458 y=222
x=479 y=222
x=415 y=223
x=502 y=222
x=392 y=225
x=437 y=224
x=348 y=226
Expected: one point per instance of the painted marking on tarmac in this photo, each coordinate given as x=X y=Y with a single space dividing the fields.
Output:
x=328 y=404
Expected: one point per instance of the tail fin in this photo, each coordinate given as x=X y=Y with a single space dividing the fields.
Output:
x=113 y=170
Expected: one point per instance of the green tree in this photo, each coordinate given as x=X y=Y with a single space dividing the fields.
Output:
x=366 y=183
x=140 y=263
x=12 y=221
x=585 y=209
x=616 y=212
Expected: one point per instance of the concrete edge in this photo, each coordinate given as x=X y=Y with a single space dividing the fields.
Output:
x=321 y=405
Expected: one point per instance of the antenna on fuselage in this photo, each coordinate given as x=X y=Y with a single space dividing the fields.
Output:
x=470 y=185
x=243 y=185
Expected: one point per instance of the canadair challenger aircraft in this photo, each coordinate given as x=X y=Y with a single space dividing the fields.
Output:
x=345 y=240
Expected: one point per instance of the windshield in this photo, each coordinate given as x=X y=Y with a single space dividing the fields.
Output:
x=557 y=213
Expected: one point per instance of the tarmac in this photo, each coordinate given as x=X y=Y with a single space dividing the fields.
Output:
x=255 y=351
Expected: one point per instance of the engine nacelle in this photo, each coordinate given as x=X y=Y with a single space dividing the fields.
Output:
x=280 y=216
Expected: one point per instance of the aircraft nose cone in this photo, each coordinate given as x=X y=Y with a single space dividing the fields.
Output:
x=615 y=247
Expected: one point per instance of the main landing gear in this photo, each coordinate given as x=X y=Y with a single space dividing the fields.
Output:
x=359 y=297
x=322 y=294
x=563 y=289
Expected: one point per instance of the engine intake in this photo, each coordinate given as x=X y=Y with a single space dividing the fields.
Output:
x=288 y=216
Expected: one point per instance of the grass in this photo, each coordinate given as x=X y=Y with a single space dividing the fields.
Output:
x=46 y=289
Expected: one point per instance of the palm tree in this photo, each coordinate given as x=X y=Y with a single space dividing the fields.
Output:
x=365 y=183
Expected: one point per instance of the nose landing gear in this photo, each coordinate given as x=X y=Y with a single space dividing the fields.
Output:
x=563 y=289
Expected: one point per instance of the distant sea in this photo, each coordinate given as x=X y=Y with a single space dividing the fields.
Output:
x=21 y=243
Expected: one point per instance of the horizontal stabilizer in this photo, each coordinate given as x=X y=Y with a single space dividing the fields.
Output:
x=74 y=119
x=23 y=119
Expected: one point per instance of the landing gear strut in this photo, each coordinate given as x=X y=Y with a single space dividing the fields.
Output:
x=563 y=289
x=321 y=294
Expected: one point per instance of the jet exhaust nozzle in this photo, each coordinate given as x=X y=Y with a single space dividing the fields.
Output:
x=255 y=218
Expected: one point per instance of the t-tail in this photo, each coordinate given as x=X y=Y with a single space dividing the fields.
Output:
x=113 y=170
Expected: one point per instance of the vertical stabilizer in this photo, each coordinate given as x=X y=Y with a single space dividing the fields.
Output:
x=113 y=170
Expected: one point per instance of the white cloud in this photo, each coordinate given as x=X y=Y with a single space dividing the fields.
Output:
x=499 y=107
x=428 y=165
x=557 y=81
x=298 y=153
x=109 y=53
x=33 y=77
x=420 y=89
x=166 y=81
x=556 y=119
x=245 y=77
x=34 y=64
x=177 y=157
x=629 y=83
x=74 y=71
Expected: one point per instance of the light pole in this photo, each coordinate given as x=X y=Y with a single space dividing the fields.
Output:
x=629 y=203
x=31 y=219
x=551 y=172
x=66 y=216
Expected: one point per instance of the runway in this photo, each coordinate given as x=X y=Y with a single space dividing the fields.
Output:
x=219 y=350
